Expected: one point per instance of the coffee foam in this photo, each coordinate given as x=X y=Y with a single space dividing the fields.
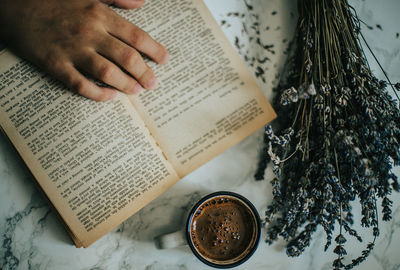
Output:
x=223 y=230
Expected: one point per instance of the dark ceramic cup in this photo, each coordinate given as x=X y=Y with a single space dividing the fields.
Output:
x=222 y=230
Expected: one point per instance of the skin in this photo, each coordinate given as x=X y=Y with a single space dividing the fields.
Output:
x=70 y=39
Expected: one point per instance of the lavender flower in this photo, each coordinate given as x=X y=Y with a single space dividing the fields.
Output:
x=336 y=140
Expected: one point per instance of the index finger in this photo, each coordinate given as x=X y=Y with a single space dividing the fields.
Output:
x=137 y=38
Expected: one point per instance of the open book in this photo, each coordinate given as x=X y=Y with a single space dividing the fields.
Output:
x=99 y=163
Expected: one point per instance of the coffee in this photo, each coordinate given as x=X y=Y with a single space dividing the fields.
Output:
x=224 y=230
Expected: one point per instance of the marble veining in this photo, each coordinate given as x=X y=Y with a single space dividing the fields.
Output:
x=31 y=237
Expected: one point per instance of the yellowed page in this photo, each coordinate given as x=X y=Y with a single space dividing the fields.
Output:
x=206 y=101
x=96 y=162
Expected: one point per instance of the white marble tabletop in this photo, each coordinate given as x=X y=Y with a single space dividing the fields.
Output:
x=31 y=237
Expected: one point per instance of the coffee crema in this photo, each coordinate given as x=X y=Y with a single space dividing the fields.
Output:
x=224 y=230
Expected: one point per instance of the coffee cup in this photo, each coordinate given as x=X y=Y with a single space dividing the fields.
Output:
x=222 y=230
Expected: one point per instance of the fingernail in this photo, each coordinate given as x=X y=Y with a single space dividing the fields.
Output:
x=137 y=89
x=151 y=83
x=113 y=94
x=165 y=59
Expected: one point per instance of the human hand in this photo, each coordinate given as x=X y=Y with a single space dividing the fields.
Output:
x=128 y=4
x=76 y=37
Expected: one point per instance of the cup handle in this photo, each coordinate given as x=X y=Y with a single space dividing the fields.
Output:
x=171 y=240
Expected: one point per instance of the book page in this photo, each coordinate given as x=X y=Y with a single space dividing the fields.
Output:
x=206 y=101
x=95 y=161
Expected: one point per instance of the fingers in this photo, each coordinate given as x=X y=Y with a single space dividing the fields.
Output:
x=128 y=4
x=137 y=38
x=130 y=60
x=112 y=56
x=105 y=71
x=68 y=74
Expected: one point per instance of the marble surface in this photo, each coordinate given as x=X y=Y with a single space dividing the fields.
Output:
x=32 y=238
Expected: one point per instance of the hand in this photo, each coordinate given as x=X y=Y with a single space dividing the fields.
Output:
x=76 y=37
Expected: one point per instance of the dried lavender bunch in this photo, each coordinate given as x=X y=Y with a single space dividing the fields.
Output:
x=338 y=136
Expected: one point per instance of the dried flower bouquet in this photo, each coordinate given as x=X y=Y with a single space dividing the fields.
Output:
x=336 y=137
